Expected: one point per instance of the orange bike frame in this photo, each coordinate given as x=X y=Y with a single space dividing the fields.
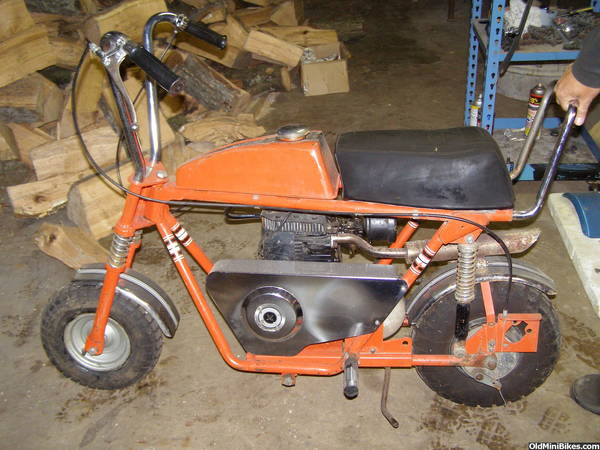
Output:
x=325 y=358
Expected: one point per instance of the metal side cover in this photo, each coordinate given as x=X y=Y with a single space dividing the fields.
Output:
x=331 y=301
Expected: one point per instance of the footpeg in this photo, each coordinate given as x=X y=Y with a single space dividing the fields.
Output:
x=351 y=376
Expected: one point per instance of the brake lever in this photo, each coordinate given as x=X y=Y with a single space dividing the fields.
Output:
x=111 y=57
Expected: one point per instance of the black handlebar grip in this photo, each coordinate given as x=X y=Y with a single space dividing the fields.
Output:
x=154 y=68
x=207 y=35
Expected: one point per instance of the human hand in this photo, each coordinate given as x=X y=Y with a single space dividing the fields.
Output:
x=569 y=91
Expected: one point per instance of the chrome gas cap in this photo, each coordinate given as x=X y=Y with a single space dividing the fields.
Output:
x=292 y=133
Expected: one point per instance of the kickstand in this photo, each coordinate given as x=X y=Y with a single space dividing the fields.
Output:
x=384 y=396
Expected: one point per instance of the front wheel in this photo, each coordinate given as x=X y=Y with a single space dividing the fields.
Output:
x=133 y=340
x=518 y=373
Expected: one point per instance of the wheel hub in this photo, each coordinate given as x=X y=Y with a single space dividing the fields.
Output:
x=498 y=367
x=117 y=346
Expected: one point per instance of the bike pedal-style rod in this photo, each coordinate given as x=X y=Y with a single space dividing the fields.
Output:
x=351 y=376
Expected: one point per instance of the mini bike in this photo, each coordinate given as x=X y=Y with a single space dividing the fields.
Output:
x=483 y=331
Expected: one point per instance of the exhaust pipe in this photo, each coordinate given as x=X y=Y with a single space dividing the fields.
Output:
x=516 y=241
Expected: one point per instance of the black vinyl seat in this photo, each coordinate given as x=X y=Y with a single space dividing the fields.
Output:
x=456 y=168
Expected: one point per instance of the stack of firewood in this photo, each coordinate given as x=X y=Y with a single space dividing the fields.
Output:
x=223 y=100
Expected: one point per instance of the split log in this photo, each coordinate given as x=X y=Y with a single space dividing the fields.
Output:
x=32 y=99
x=251 y=17
x=215 y=15
x=66 y=7
x=221 y=129
x=346 y=28
x=65 y=157
x=128 y=17
x=68 y=52
x=259 y=2
x=86 y=120
x=290 y=13
x=275 y=50
x=172 y=105
x=90 y=81
x=61 y=26
x=24 y=53
x=14 y=19
x=303 y=36
x=286 y=79
x=8 y=144
x=235 y=31
x=50 y=128
x=89 y=6
x=40 y=198
x=94 y=205
x=231 y=56
x=261 y=105
x=208 y=86
x=69 y=245
x=209 y=11
x=198 y=4
x=28 y=138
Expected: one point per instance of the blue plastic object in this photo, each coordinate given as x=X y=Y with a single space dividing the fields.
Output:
x=587 y=206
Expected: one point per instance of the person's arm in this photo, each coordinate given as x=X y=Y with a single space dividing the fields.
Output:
x=580 y=83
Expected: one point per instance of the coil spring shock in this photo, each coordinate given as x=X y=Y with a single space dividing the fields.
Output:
x=465 y=273
x=118 y=250
x=465 y=287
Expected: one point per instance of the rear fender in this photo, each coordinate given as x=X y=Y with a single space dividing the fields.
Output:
x=444 y=281
x=139 y=289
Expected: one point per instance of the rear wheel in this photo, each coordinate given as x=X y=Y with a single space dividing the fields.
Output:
x=518 y=373
x=133 y=340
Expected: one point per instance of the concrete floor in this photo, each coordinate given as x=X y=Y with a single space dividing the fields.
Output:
x=408 y=71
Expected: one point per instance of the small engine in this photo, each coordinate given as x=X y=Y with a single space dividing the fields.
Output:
x=288 y=236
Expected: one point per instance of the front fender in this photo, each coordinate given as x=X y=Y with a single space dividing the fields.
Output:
x=444 y=281
x=141 y=290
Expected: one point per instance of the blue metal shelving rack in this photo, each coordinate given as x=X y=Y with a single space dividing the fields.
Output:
x=485 y=35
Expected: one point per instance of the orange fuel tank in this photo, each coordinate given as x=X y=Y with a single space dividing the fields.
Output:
x=301 y=166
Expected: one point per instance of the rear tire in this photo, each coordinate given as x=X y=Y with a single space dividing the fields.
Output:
x=522 y=373
x=133 y=339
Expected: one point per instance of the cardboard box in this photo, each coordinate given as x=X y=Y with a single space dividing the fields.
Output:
x=324 y=70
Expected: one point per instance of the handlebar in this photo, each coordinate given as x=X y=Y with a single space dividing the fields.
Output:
x=158 y=71
x=182 y=23
x=206 y=34
x=551 y=167
x=115 y=46
x=154 y=68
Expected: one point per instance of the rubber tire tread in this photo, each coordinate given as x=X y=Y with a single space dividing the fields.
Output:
x=79 y=297
x=433 y=333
